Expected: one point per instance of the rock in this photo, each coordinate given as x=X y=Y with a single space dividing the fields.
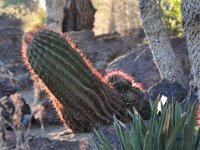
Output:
x=104 y=48
x=10 y=47
x=46 y=144
x=8 y=108
x=111 y=135
x=6 y=88
x=38 y=143
x=192 y=96
x=67 y=145
x=80 y=37
x=173 y=91
x=7 y=81
x=15 y=109
x=20 y=103
x=46 y=114
x=10 y=41
x=139 y=63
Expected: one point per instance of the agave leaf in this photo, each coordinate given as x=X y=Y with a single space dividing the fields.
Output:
x=166 y=123
x=98 y=135
x=139 y=133
x=189 y=130
x=191 y=126
x=186 y=139
x=175 y=132
x=172 y=118
x=177 y=113
x=120 y=133
x=187 y=106
x=197 y=146
x=157 y=140
x=148 y=144
x=142 y=123
x=154 y=118
x=134 y=137
x=97 y=144
x=106 y=144
x=163 y=133
x=129 y=142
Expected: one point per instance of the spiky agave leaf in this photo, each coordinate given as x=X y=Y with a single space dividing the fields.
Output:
x=172 y=130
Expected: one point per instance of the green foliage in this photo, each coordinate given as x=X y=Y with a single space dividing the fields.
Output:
x=37 y=18
x=174 y=129
x=26 y=3
x=18 y=8
x=170 y=11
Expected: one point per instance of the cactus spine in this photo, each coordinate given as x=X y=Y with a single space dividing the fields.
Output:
x=82 y=97
x=133 y=92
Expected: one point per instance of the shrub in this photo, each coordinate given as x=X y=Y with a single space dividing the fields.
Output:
x=173 y=129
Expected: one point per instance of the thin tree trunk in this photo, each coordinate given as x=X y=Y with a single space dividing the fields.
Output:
x=191 y=23
x=78 y=15
x=55 y=10
x=164 y=57
x=112 y=26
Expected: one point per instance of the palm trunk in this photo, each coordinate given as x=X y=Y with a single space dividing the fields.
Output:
x=191 y=23
x=164 y=57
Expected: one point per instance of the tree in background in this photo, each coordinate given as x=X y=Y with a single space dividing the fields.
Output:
x=153 y=15
x=191 y=23
x=163 y=54
x=70 y=15
x=161 y=48
x=170 y=11
x=78 y=15
x=55 y=11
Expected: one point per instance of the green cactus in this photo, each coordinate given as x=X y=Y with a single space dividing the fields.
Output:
x=133 y=92
x=82 y=97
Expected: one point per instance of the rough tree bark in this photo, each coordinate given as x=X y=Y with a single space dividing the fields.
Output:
x=78 y=15
x=191 y=23
x=164 y=57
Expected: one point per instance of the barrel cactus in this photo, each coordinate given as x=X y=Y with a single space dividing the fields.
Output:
x=82 y=97
x=133 y=92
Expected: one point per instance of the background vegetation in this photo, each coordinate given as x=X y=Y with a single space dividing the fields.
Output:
x=170 y=11
x=112 y=15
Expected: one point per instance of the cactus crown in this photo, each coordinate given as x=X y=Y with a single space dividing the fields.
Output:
x=122 y=81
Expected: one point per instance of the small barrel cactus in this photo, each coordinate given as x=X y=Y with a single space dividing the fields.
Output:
x=133 y=92
x=81 y=95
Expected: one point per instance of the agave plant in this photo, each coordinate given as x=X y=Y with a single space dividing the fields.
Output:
x=174 y=129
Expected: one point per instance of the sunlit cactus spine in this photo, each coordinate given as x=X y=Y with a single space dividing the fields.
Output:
x=82 y=97
x=132 y=91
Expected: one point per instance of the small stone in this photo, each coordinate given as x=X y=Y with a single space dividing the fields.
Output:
x=173 y=91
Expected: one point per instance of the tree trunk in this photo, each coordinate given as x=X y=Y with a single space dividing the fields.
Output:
x=55 y=11
x=191 y=23
x=164 y=57
x=78 y=15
